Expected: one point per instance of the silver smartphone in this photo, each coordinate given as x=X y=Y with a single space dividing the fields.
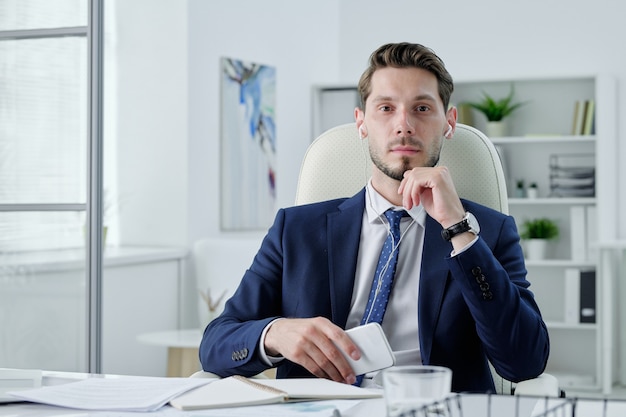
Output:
x=376 y=353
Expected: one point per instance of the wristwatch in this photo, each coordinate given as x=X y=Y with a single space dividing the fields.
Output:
x=468 y=224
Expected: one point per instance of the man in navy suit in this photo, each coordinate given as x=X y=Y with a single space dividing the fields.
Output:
x=460 y=298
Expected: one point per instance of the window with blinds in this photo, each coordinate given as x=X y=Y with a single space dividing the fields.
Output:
x=43 y=124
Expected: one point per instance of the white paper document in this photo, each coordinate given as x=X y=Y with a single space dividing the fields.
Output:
x=113 y=394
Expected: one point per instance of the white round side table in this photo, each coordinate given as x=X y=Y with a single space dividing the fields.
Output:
x=182 y=349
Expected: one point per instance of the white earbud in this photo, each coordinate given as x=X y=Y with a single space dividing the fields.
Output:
x=361 y=134
x=447 y=134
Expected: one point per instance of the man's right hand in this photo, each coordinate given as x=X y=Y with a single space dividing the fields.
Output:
x=314 y=344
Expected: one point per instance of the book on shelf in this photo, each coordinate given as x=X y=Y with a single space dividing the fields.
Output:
x=592 y=233
x=588 y=296
x=588 y=123
x=578 y=233
x=580 y=296
x=238 y=391
x=584 y=117
x=571 y=296
x=579 y=115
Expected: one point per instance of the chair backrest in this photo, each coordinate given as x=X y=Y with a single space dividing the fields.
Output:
x=337 y=164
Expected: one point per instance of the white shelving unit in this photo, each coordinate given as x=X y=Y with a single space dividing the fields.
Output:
x=581 y=353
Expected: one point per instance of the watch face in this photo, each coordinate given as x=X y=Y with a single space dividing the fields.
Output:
x=473 y=223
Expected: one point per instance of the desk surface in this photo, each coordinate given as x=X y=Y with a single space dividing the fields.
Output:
x=466 y=405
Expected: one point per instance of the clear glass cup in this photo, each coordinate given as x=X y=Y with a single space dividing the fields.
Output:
x=413 y=387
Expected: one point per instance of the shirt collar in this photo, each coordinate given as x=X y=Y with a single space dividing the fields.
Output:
x=376 y=205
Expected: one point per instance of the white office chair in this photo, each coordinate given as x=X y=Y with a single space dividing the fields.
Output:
x=337 y=164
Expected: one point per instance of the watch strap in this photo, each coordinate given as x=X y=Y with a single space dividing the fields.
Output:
x=456 y=229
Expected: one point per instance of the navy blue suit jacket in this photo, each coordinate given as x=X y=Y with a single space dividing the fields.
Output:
x=306 y=268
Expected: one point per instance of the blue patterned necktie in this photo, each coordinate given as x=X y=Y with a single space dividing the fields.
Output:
x=383 y=277
x=385 y=271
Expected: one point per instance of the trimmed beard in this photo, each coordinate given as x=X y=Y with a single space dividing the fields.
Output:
x=398 y=174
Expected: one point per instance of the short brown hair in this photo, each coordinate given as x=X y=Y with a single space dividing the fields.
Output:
x=407 y=55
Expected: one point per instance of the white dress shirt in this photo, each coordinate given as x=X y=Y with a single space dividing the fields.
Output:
x=400 y=321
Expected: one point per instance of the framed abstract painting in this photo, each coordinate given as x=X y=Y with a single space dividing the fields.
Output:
x=248 y=145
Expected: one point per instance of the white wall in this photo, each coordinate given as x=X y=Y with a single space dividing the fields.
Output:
x=150 y=122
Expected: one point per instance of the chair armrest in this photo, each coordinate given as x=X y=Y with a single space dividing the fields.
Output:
x=543 y=385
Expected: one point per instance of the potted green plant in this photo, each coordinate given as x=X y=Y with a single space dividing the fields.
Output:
x=520 y=192
x=496 y=111
x=540 y=228
x=536 y=233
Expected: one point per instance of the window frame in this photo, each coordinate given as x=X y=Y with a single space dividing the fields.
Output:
x=93 y=32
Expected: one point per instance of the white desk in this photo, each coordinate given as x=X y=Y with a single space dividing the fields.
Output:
x=373 y=407
x=182 y=349
x=468 y=405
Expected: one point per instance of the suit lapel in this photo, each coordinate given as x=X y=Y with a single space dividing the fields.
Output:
x=433 y=280
x=344 y=231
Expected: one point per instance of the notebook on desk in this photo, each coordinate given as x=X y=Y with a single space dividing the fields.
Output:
x=238 y=391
